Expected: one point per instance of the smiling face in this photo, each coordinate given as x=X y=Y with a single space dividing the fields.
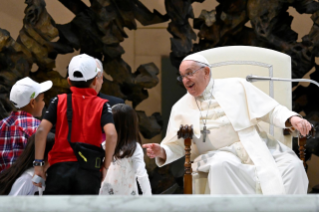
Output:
x=195 y=84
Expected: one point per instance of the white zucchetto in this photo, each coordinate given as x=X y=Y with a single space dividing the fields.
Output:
x=197 y=58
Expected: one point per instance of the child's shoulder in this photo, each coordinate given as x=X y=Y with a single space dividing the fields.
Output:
x=5 y=120
x=138 y=149
x=60 y=96
x=20 y=118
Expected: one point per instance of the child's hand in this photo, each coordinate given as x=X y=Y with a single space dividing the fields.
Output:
x=154 y=150
x=38 y=170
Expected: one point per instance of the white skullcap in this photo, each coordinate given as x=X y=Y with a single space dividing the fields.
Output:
x=197 y=58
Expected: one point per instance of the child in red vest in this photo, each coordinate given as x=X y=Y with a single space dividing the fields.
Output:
x=91 y=116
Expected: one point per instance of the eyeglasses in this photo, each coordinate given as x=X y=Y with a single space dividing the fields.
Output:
x=189 y=74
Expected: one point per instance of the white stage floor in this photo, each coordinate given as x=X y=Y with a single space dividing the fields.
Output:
x=183 y=203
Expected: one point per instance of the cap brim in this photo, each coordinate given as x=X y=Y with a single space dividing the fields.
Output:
x=45 y=86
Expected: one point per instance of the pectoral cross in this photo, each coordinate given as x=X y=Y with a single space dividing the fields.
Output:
x=205 y=131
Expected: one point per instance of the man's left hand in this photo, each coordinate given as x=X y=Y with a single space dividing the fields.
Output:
x=300 y=124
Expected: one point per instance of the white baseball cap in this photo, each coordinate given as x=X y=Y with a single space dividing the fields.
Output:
x=26 y=89
x=84 y=64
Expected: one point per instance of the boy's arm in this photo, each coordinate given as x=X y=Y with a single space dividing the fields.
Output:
x=110 y=144
x=40 y=143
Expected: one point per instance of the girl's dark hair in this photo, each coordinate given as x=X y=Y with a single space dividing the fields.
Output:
x=126 y=124
x=24 y=162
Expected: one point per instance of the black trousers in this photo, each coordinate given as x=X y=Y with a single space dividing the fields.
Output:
x=68 y=178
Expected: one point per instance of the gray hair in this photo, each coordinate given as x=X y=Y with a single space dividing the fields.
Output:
x=100 y=63
x=205 y=65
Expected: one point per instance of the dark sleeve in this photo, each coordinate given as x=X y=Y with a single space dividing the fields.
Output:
x=50 y=113
x=112 y=99
x=107 y=116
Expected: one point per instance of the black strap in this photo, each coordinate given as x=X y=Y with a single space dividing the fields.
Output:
x=69 y=115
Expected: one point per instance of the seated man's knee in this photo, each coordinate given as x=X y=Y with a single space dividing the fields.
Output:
x=294 y=164
x=219 y=165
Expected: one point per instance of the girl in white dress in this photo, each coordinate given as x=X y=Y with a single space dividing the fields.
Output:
x=17 y=180
x=128 y=161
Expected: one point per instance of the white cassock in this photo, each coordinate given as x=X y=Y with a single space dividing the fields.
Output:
x=239 y=157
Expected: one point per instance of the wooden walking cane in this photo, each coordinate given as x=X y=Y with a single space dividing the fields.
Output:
x=186 y=132
x=302 y=141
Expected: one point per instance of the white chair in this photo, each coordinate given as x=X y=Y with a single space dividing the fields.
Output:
x=240 y=61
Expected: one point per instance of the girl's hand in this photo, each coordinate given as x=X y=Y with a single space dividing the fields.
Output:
x=154 y=150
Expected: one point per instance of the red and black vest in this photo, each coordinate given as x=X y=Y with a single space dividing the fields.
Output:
x=86 y=123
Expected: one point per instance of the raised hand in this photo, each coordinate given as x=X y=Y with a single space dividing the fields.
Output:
x=154 y=150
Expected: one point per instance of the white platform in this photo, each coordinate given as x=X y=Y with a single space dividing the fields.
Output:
x=160 y=203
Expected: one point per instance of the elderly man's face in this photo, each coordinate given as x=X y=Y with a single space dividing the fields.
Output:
x=99 y=82
x=99 y=78
x=197 y=82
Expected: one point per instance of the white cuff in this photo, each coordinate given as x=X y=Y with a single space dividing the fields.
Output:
x=169 y=157
x=280 y=115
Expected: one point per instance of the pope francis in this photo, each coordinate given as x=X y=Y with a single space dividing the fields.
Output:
x=228 y=143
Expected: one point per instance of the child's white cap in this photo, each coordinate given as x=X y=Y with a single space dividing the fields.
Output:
x=84 y=64
x=26 y=89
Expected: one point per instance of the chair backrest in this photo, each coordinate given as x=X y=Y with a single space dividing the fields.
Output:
x=240 y=61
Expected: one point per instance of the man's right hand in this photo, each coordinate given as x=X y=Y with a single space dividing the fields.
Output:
x=154 y=150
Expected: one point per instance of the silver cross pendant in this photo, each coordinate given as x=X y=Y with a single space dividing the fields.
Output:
x=205 y=131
